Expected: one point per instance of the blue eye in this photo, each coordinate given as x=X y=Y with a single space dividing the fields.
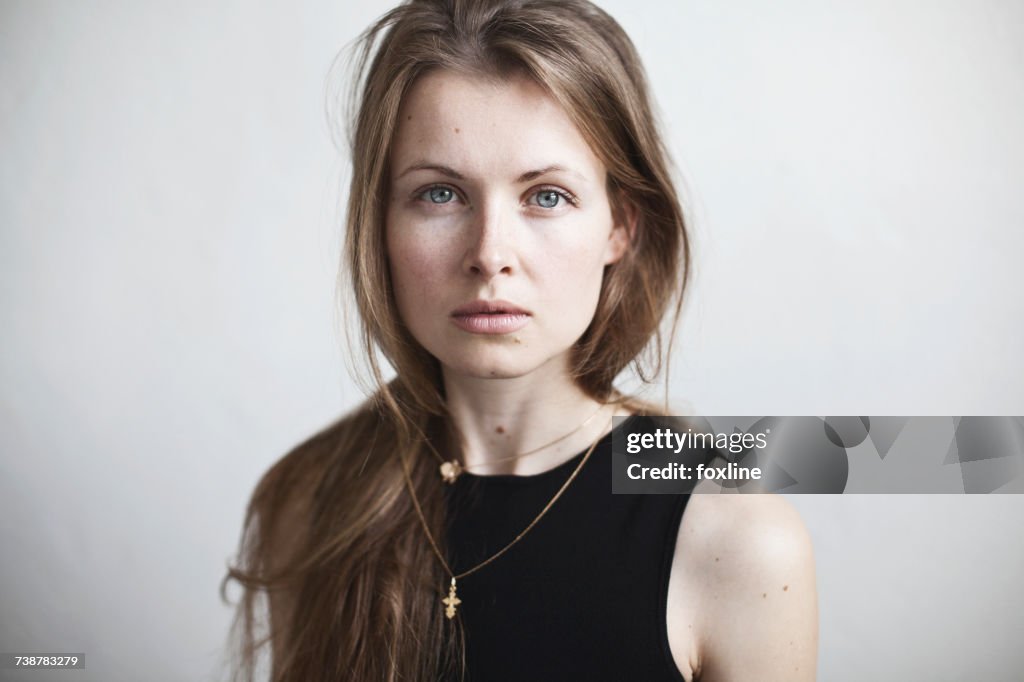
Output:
x=548 y=198
x=439 y=195
x=551 y=198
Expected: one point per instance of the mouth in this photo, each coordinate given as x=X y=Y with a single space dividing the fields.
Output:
x=482 y=307
x=490 y=317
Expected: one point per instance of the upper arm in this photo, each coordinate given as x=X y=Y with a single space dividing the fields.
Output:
x=279 y=530
x=750 y=560
x=285 y=536
x=281 y=607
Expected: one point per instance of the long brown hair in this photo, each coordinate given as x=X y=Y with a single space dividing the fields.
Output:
x=330 y=536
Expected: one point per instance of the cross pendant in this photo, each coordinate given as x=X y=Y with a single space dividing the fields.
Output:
x=451 y=601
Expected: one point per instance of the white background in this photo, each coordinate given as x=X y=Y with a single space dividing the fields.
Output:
x=169 y=237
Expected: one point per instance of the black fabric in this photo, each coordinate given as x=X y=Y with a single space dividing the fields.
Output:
x=583 y=595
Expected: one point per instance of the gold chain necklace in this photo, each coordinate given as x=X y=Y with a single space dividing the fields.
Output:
x=450 y=469
x=452 y=600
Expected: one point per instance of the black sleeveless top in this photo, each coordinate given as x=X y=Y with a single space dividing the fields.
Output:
x=583 y=595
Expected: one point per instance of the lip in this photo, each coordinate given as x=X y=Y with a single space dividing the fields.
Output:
x=490 y=317
x=489 y=307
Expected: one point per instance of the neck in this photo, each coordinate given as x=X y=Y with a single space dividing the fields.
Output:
x=501 y=418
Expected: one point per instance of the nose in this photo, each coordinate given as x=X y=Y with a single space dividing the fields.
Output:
x=492 y=251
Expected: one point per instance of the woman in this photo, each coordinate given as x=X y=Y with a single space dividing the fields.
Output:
x=514 y=242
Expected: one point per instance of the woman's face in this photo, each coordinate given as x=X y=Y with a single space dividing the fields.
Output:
x=498 y=225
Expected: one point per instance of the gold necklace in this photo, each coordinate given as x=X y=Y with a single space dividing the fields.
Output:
x=452 y=600
x=450 y=469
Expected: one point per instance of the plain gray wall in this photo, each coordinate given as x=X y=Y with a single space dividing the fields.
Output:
x=169 y=231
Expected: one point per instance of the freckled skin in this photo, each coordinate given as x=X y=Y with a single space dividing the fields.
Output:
x=486 y=235
x=763 y=546
x=491 y=239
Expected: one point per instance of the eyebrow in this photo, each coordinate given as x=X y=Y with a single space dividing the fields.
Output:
x=455 y=175
x=534 y=174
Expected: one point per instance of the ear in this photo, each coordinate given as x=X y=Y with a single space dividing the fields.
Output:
x=625 y=217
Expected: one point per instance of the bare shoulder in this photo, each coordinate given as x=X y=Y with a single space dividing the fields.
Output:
x=762 y=531
x=747 y=563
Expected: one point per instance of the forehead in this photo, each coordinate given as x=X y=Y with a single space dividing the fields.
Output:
x=482 y=126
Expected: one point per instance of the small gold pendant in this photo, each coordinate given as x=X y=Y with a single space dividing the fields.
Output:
x=450 y=471
x=451 y=601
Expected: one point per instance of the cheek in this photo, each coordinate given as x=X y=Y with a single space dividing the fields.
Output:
x=572 y=283
x=416 y=268
x=577 y=265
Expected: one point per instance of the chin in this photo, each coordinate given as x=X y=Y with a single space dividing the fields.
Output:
x=496 y=364
x=487 y=370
